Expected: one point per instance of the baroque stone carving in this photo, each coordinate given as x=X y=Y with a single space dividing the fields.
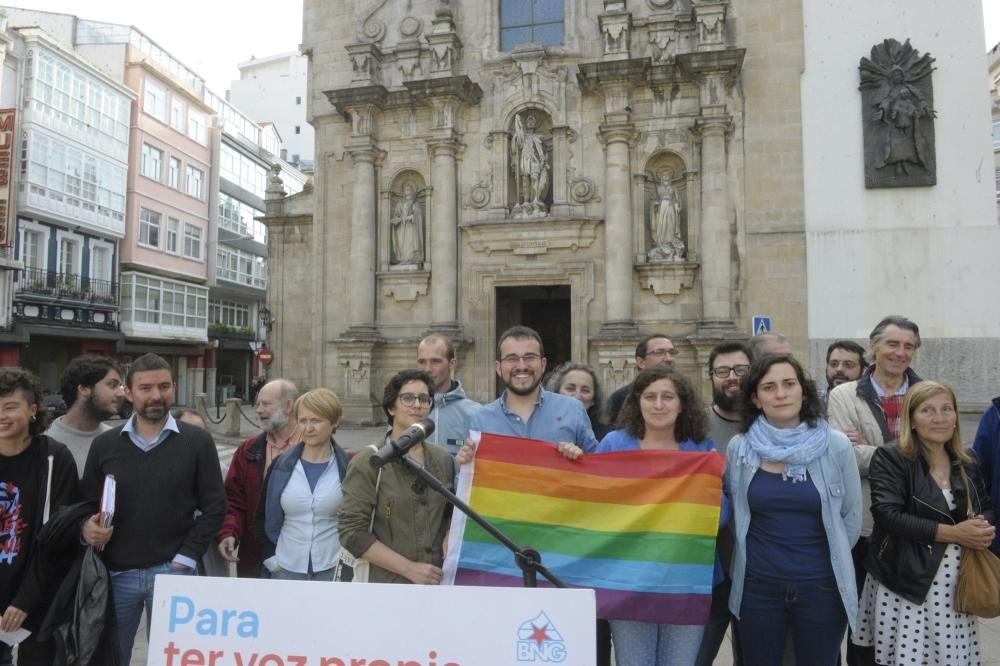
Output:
x=479 y=194
x=658 y=42
x=898 y=116
x=406 y=226
x=582 y=189
x=665 y=220
x=410 y=27
x=372 y=31
x=531 y=163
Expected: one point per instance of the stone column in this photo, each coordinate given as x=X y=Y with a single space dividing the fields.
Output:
x=618 y=221
x=444 y=233
x=715 y=235
x=362 y=315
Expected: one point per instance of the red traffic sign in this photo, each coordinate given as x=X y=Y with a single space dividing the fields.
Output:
x=265 y=356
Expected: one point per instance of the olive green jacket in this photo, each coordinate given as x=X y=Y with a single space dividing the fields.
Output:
x=411 y=518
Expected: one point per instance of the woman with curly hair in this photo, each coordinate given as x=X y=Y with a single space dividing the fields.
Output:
x=37 y=476
x=797 y=510
x=661 y=412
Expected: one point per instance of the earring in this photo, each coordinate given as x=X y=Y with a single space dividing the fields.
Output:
x=33 y=417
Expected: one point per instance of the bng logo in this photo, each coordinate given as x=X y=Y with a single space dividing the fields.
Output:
x=539 y=640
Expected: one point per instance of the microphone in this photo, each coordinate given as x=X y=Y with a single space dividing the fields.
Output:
x=394 y=450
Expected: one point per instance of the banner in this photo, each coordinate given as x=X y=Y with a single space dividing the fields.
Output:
x=638 y=527
x=7 y=165
x=243 y=622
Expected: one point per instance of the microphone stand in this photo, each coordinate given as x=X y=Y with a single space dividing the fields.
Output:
x=527 y=559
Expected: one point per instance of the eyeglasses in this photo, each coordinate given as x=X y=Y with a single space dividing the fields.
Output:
x=723 y=371
x=410 y=399
x=514 y=359
x=846 y=365
x=660 y=353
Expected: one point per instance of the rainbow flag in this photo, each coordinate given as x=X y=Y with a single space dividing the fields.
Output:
x=638 y=527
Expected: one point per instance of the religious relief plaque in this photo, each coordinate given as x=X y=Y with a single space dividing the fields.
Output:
x=897 y=107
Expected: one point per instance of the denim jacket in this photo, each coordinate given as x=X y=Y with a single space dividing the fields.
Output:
x=836 y=478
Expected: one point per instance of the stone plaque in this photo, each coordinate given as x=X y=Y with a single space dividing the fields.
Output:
x=897 y=107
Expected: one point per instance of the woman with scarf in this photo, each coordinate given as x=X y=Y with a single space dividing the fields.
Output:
x=796 y=499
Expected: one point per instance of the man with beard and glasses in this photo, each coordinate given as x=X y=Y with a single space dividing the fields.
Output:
x=92 y=387
x=275 y=403
x=525 y=409
x=845 y=361
x=165 y=472
x=728 y=362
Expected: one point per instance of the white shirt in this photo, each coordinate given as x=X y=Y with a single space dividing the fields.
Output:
x=310 y=527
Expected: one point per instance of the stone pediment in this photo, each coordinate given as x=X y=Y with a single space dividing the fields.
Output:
x=531 y=237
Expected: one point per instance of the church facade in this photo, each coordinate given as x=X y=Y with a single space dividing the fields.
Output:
x=596 y=169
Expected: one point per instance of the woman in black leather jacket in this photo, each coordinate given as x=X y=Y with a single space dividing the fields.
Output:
x=922 y=487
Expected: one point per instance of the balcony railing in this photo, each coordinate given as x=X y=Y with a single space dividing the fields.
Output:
x=66 y=287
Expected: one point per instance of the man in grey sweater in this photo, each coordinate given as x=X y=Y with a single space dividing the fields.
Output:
x=92 y=387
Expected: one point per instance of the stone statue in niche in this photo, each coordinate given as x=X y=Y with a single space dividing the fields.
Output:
x=665 y=220
x=898 y=116
x=532 y=166
x=406 y=227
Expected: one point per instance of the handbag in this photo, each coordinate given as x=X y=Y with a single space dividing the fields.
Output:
x=978 y=591
x=352 y=569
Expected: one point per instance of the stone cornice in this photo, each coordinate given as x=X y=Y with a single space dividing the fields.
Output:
x=592 y=75
x=531 y=237
x=612 y=132
x=726 y=61
x=461 y=87
x=347 y=98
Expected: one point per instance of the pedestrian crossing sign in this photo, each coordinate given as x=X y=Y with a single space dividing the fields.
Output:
x=761 y=325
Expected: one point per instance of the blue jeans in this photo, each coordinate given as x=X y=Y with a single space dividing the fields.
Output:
x=812 y=611
x=655 y=644
x=132 y=590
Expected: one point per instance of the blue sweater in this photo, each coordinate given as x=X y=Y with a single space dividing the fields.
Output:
x=987 y=448
x=620 y=440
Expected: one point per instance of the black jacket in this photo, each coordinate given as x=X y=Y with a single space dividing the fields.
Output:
x=908 y=506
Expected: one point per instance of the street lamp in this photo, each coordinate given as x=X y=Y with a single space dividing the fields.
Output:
x=265 y=316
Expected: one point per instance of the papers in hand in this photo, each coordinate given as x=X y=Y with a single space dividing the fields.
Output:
x=14 y=637
x=107 y=503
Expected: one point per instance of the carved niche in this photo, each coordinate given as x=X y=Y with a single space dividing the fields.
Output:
x=897 y=110
x=407 y=212
x=665 y=209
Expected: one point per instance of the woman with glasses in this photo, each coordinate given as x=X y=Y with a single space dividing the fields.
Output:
x=797 y=511
x=389 y=516
x=296 y=518
x=661 y=412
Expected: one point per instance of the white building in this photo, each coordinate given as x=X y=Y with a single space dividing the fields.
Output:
x=71 y=207
x=273 y=90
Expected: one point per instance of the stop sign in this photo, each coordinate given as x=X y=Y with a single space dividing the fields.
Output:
x=265 y=356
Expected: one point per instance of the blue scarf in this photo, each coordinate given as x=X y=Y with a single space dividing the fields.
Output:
x=796 y=447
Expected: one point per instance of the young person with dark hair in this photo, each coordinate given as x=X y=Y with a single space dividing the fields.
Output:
x=37 y=477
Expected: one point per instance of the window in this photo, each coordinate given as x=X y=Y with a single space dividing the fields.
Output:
x=240 y=170
x=155 y=101
x=996 y=134
x=78 y=99
x=33 y=249
x=149 y=228
x=298 y=129
x=69 y=256
x=174 y=174
x=177 y=114
x=173 y=234
x=149 y=300
x=241 y=267
x=192 y=242
x=527 y=21
x=152 y=161
x=73 y=177
x=236 y=315
x=195 y=179
x=238 y=217
x=100 y=263
x=197 y=128
x=298 y=101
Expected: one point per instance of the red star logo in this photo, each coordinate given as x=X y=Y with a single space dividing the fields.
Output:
x=539 y=635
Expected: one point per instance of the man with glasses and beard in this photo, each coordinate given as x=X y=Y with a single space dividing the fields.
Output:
x=845 y=361
x=728 y=362
x=166 y=473
x=275 y=403
x=525 y=409
x=91 y=386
